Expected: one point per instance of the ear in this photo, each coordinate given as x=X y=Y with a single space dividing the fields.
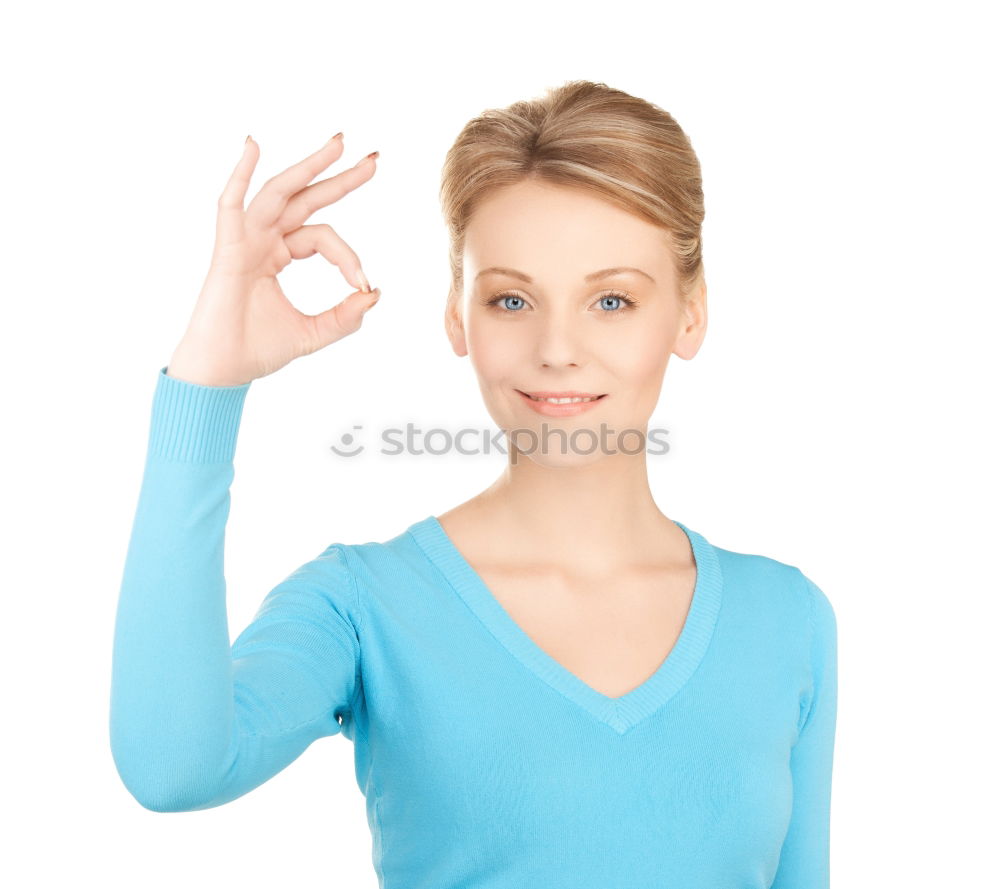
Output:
x=694 y=323
x=453 y=325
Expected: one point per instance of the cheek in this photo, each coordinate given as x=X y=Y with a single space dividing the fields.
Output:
x=642 y=360
x=493 y=355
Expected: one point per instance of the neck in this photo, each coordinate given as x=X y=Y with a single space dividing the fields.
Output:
x=597 y=516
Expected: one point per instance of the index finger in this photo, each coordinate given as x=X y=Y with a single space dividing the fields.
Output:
x=269 y=202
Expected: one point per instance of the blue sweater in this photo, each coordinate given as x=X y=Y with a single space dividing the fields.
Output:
x=483 y=761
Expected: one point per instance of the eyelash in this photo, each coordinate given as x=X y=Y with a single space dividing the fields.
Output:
x=628 y=299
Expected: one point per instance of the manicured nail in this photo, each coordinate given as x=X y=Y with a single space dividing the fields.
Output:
x=363 y=282
x=338 y=136
x=371 y=156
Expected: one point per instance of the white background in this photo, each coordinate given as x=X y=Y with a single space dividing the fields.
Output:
x=840 y=417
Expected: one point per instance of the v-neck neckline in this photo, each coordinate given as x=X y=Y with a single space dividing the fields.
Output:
x=625 y=711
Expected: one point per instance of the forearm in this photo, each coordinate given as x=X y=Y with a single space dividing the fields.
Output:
x=172 y=720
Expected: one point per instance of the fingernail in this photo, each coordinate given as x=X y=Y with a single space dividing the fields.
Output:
x=338 y=136
x=363 y=282
x=371 y=156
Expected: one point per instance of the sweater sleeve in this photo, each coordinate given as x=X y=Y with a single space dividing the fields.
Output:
x=805 y=854
x=194 y=721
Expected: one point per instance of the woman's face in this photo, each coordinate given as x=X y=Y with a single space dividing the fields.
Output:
x=536 y=316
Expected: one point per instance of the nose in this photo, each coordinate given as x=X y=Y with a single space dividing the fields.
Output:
x=559 y=342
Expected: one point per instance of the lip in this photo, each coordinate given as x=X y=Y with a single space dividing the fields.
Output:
x=571 y=394
x=561 y=410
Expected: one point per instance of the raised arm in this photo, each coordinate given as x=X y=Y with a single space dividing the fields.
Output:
x=195 y=722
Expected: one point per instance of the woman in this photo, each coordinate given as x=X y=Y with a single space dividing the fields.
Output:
x=551 y=684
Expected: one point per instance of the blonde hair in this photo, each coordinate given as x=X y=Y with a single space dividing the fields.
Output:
x=588 y=135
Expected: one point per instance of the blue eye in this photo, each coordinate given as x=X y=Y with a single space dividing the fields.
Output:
x=506 y=296
x=620 y=296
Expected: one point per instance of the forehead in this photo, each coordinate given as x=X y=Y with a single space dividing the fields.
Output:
x=537 y=227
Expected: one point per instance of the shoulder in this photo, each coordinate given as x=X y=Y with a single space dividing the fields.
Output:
x=349 y=579
x=323 y=583
x=377 y=559
x=392 y=570
x=770 y=585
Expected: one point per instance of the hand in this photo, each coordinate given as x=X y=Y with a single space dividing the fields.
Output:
x=243 y=326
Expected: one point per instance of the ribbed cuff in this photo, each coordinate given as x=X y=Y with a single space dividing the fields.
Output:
x=193 y=423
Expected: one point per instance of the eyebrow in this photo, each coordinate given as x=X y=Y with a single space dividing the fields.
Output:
x=593 y=276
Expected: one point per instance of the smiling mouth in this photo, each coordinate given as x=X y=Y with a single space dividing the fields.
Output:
x=562 y=397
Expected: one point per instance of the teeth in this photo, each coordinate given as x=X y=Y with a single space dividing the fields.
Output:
x=564 y=400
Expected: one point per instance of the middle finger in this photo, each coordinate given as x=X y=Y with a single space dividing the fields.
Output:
x=307 y=201
x=269 y=203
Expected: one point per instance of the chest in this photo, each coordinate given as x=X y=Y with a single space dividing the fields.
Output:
x=469 y=730
x=612 y=635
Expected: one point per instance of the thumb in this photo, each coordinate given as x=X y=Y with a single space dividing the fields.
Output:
x=343 y=319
